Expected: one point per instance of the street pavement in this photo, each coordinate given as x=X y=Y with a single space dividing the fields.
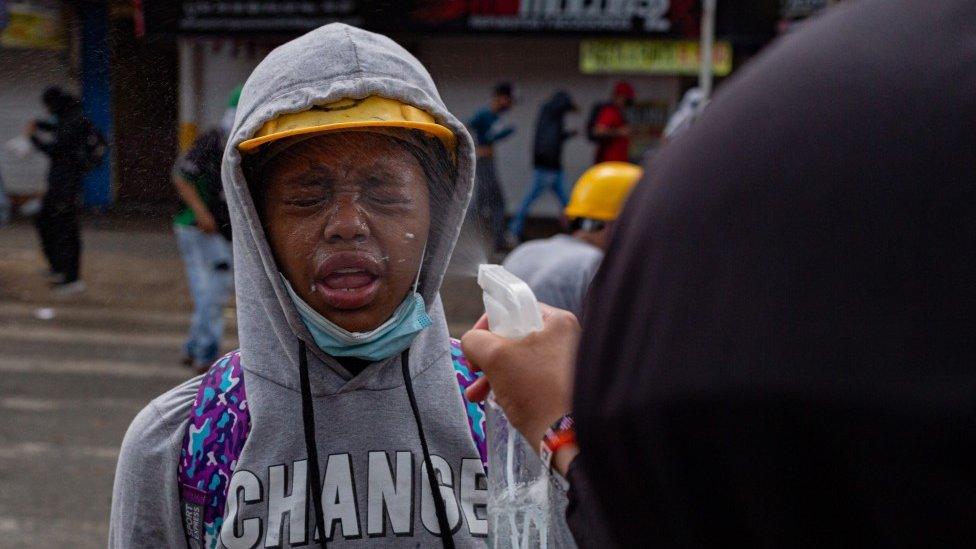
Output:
x=74 y=372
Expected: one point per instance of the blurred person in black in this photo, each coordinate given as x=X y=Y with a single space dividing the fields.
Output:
x=547 y=157
x=66 y=138
x=778 y=348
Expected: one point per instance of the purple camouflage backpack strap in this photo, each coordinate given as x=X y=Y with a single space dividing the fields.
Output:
x=474 y=410
x=218 y=426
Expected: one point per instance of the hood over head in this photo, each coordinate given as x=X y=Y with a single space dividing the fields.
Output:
x=332 y=63
x=560 y=103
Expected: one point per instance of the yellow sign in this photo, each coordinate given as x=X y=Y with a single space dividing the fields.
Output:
x=31 y=27
x=650 y=57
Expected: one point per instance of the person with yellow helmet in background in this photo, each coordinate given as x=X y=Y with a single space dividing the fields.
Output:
x=559 y=269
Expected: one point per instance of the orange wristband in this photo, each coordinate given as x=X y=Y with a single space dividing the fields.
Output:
x=559 y=434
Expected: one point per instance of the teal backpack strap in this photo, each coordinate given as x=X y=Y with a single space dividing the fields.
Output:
x=475 y=410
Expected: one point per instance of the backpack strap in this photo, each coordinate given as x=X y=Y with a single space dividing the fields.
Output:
x=474 y=410
x=218 y=425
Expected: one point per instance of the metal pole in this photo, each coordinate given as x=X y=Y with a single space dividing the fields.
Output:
x=705 y=47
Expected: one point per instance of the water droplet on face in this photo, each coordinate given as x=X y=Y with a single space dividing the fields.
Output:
x=313 y=289
x=410 y=236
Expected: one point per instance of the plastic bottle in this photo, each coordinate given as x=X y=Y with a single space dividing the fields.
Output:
x=518 y=488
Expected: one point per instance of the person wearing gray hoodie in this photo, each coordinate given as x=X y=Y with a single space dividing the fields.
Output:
x=347 y=181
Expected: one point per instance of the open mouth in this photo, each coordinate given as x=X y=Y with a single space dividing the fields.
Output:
x=349 y=280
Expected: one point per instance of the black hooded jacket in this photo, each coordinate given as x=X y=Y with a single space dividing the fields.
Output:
x=63 y=140
x=779 y=348
x=547 y=149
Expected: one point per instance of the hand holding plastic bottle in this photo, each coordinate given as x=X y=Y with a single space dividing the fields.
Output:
x=532 y=377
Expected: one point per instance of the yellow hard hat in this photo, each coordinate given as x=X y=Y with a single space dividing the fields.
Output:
x=371 y=112
x=601 y=191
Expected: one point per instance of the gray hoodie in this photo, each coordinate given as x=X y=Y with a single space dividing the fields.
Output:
x=366 y=437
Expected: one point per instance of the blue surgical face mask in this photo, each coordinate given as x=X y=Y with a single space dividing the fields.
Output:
x=388 y=339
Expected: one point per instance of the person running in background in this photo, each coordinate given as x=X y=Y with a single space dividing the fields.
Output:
x=202 y=230
x=559 y=269
x=489 y=200
x=547 y=157
x=64 y=138
x=610 y=128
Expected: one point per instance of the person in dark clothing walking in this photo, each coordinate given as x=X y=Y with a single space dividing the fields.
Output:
x=547 y=157
x=488 y=129
x=778 y=348
x=63 y=139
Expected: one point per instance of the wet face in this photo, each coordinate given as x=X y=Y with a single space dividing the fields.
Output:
x=347 y=215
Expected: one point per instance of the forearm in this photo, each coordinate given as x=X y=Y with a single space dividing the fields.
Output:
x=189 y=196
x=501 y=134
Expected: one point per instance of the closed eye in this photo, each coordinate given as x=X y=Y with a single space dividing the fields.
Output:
x=305 y=202
x=386 y=191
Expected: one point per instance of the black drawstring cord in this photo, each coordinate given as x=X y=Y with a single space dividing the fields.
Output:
x=447 y=536
x=308 y=424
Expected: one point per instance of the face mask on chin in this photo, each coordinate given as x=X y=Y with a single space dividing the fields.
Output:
x=384 y=341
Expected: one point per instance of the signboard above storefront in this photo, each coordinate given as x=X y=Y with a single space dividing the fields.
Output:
x=675 y=18
x=797 y=9
x=230 y=16
x=670 y=57
x=31 y=25
x=536 y=15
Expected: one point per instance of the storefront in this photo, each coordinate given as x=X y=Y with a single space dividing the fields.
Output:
x=467 y=46
x=33 y=36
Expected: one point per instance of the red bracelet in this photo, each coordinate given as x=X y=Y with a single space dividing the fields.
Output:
x=559 y=434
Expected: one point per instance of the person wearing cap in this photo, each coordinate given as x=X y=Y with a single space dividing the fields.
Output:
x=559 y=269
x=203 y=235
x=347 y=181
x=611 y=128
x=489 y=129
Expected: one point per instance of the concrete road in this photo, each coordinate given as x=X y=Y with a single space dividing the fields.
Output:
x=69 y=387
x=74 y=372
